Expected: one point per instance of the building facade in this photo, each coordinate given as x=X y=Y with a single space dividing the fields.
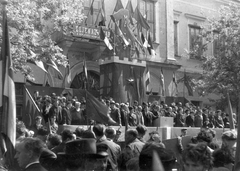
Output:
x=173 y=26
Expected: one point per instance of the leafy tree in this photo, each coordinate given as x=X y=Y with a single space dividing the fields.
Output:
x=221 y=71
x=31 y=26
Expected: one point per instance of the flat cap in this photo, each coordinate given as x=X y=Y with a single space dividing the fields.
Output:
x=230 y=135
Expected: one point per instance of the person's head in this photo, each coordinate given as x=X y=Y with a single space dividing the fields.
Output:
x=183 y=132
x=131 y=135
x=77 y=105
x=38 y=120
x=112 y=104
x=141 y=129
x=169 y=109
x=84 y=154
x=139 y=108
x=110 y=132
x=53 y=119
x=222 y=157
x=28 y=150
x=42 y=134
x=218 y=113
x=166 y=156
x=197 y=157
x=135 y=103
x=20 y=129
x=69 y=104
x=229 y=140
x=98 y=129
x=67 y=135
x=53 y=140
x=130 y=108
x=79 y=132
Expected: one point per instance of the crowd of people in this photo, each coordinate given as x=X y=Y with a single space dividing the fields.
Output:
x=42 y=147
x=60 y=110
x=97 y=148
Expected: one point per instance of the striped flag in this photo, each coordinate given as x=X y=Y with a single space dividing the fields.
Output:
x=147 y=79
x=7 y=92
x=172 y=88
x=162 y=84
x=105 y=39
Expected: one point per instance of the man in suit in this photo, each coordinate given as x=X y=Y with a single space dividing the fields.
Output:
x=28 y=154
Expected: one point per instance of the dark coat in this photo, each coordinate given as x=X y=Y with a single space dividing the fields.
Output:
x=115 y=115
x=66 y=115
x=56 y=111
x=189 y=121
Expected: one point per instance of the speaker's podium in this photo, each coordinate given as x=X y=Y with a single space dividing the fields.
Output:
x=163 y=122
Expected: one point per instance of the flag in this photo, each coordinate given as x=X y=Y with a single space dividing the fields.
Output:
x=32 y=110
x=232 y=125
x=105 y=39
x=118 y=6
x=150 y=46
x=156 y=162
x=39 y=64
x=85 y=69
x=147 y=79
x=51 y=63
x=172 y=88
x=162 y=84
x=101 y=17
x=120 y=34
x=120 y=14
x=91 y=8
x=96 y=110
x=7 y=93
x=137 y=52
x=141 y=22
x=68 y=74
x=144 y=41
x=130 y=9
x=128 y=33
x=187 y=84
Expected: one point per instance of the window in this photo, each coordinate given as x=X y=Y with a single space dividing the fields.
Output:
x=195 y=41
x=147 y=10
x=176 y=38
x=91 y=20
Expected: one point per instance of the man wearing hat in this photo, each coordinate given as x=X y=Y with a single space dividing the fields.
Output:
x=115 y=113
x=28 y=152
x=229 y=140
x=83 y=154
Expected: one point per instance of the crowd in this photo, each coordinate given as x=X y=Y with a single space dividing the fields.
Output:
x=42 y=148
x=59 y=110
x=97 y=148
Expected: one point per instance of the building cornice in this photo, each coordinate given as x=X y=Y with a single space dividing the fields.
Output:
x=195 y=17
